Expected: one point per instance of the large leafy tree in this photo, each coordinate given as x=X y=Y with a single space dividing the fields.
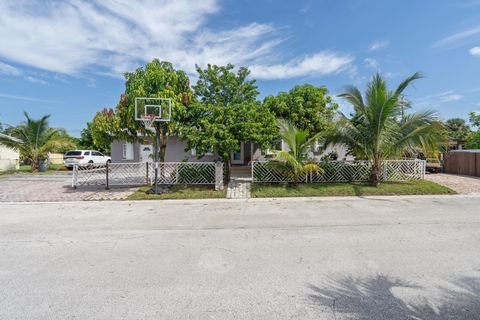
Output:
x=473 y=137
x=158 y=79
x=226 y=113
x=380 y=129
x=308 y=107
x=35 y=139
x=457 y=128
x=86 y=140
x=295 y=162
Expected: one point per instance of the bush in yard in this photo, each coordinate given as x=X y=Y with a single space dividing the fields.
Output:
x=188 y=173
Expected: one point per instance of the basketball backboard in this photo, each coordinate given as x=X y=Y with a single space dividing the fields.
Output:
x=153 y=109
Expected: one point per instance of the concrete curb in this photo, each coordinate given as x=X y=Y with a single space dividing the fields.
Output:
x=253 y=200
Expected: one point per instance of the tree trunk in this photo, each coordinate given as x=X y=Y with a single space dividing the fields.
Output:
x=226 y=162
x=163 y=145
x=375 y=173
x=34 y=164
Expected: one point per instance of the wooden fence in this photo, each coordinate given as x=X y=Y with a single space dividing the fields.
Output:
x=467 y=163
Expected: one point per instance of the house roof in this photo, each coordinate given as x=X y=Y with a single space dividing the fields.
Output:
x=9 y=137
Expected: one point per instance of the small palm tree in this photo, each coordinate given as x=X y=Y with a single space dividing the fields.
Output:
x=380 y=129
x=34 y=139
x=295 y=162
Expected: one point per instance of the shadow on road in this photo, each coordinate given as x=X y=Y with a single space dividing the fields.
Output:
x=372 y=298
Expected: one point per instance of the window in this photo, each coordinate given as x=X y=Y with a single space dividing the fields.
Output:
x=86 y=153
x=73 y=153
x=127 y=151
x=209 y=152
x=97 y=154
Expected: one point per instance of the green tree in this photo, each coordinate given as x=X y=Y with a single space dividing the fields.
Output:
x=308 y=107
x=473 y=138
x=457 y=128
x=158 y=79
x=35 y=139
x=86 y=140
x=295 y=162
x=378 y=131
x=226 y=113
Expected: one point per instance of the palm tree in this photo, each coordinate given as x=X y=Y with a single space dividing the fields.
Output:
x=295 y=162
x=379 y=129
x=34 y=139
x=457 y=128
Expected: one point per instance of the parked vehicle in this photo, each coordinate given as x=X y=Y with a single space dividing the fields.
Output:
x=74 y=157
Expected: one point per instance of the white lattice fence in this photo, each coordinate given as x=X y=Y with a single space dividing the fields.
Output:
x=184 y=172
x=403 y=170
x=89 y=175
x=112 y=174
x=129 y=174
x=343 y=171
x=115 y=174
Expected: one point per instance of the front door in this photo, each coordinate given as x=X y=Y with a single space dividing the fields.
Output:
x=146 y=152
x=237 y=157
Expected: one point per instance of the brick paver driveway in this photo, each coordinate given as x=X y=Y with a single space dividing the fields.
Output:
x=52 y=187
x=459 y=183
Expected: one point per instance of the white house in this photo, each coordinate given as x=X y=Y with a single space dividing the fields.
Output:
x=9 y=158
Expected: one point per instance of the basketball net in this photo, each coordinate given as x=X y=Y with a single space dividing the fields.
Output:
x=148 y=121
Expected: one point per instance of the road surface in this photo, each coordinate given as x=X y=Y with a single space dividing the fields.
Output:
x=352 y=258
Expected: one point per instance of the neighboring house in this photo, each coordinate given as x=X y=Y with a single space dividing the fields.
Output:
x=55 y=158
x=122 y=151
x=9 y=158
x=455 y=144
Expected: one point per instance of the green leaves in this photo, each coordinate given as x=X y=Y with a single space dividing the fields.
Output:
x=294 y=162
x=226 y=113
x=219 y=85
x=307 y=106
x=35 y=139
x=379 y=128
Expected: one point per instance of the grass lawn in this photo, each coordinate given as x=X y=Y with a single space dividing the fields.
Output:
x=180 y=192
x=348 y=189
x=52 y=168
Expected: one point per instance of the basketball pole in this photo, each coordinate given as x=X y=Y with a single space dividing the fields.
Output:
x=157 y=144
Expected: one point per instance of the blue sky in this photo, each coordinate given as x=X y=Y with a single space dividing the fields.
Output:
x=66 y=58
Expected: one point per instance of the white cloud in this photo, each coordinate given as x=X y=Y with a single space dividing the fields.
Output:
x=439 y=98
x=36 y=80
x=377 y=45
x=26 y=98
x=457 y=37
x=475 y=51
x=372 y=63
x=9 y=70
x=113 y=36
x=319 y=64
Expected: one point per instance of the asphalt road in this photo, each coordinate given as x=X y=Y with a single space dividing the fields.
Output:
x=383 y=258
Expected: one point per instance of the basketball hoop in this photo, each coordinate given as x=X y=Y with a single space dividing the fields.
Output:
x=148 y=120
x=151 y=111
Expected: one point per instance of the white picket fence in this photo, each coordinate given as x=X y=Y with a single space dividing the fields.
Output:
x=343 y=171
x=132 y=174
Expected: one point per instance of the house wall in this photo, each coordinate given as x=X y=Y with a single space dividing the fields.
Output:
x=175 y=151
x=9 y=158
x=116 y=152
